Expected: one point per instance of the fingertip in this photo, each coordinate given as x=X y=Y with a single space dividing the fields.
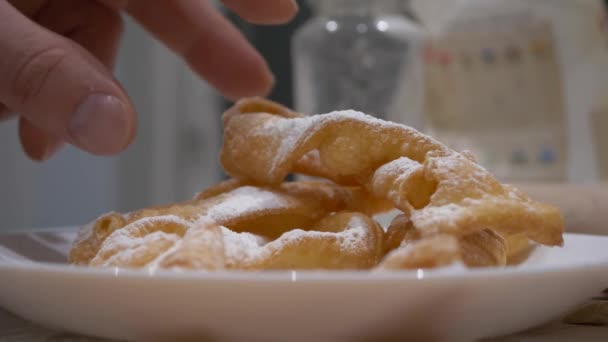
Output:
x=273 y=12
x=291 y=11
x=102 y=124
x=255 y=79
x=234 y=76
x=62 y=89
x=37 y=144
x=286 y=15
x=248 y=87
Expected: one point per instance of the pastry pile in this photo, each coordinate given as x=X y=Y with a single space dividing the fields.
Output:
x=450 y=209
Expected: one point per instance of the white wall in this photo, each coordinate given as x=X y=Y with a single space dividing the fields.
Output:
x=68 y=189
x=176 y=151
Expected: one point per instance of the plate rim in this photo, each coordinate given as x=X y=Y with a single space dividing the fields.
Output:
x=294 y=276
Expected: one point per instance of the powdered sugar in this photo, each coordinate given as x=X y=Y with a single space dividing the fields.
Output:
x=245 y=248
x=126 y=248
x=437 y=216
x=245 y=200
x=457 y=168
x=125 y=242
x=241 y=247
x=400 y=166
x=87 y=231
x=290 y=131
x=149 y=241
x=293 y=131
x=354 y=237
x=355 y=115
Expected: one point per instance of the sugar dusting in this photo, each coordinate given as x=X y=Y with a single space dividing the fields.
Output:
x=126 y=235
x=127 y=248
x=353 y=238
x=245 y=200
x=401 y=166
x=87 y=231
x=241 y=247
x=124 y=242
x=293 y=131
x=453 y=171
x=210 y=242
x=290 y=131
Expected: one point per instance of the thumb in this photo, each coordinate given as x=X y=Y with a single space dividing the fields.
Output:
x=60 y=88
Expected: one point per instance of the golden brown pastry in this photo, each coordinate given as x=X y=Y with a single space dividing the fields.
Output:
x=451 y=210
x=406 y=248
x=442 y=191
x=340 y=241
x=295 y=218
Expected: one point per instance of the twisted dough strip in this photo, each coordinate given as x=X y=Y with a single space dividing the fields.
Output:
x=163 y=241
x=242 y=208
x=407 y=249
x=340 y=241
x=442 y=191
x=344 y=240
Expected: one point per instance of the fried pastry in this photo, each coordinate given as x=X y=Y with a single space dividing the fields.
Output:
x=340 y=241
x=432 y=252
x=441 y=190
x=163 y=241
x=264 y=211
x=451 y=210
x=406 y=248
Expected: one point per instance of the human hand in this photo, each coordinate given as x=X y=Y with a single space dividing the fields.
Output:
x=56 y=60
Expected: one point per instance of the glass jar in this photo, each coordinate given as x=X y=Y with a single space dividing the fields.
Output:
x=351 y=55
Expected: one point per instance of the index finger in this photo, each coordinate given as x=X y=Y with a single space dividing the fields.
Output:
x=264 y=11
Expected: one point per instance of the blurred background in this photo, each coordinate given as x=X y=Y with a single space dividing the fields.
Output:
x=521 y=83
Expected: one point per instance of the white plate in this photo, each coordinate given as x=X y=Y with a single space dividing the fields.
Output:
x=452 y=304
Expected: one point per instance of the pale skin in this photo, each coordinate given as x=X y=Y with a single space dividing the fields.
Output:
x=57 y=58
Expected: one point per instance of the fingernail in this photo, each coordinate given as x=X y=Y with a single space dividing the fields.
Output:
x=101 y=124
